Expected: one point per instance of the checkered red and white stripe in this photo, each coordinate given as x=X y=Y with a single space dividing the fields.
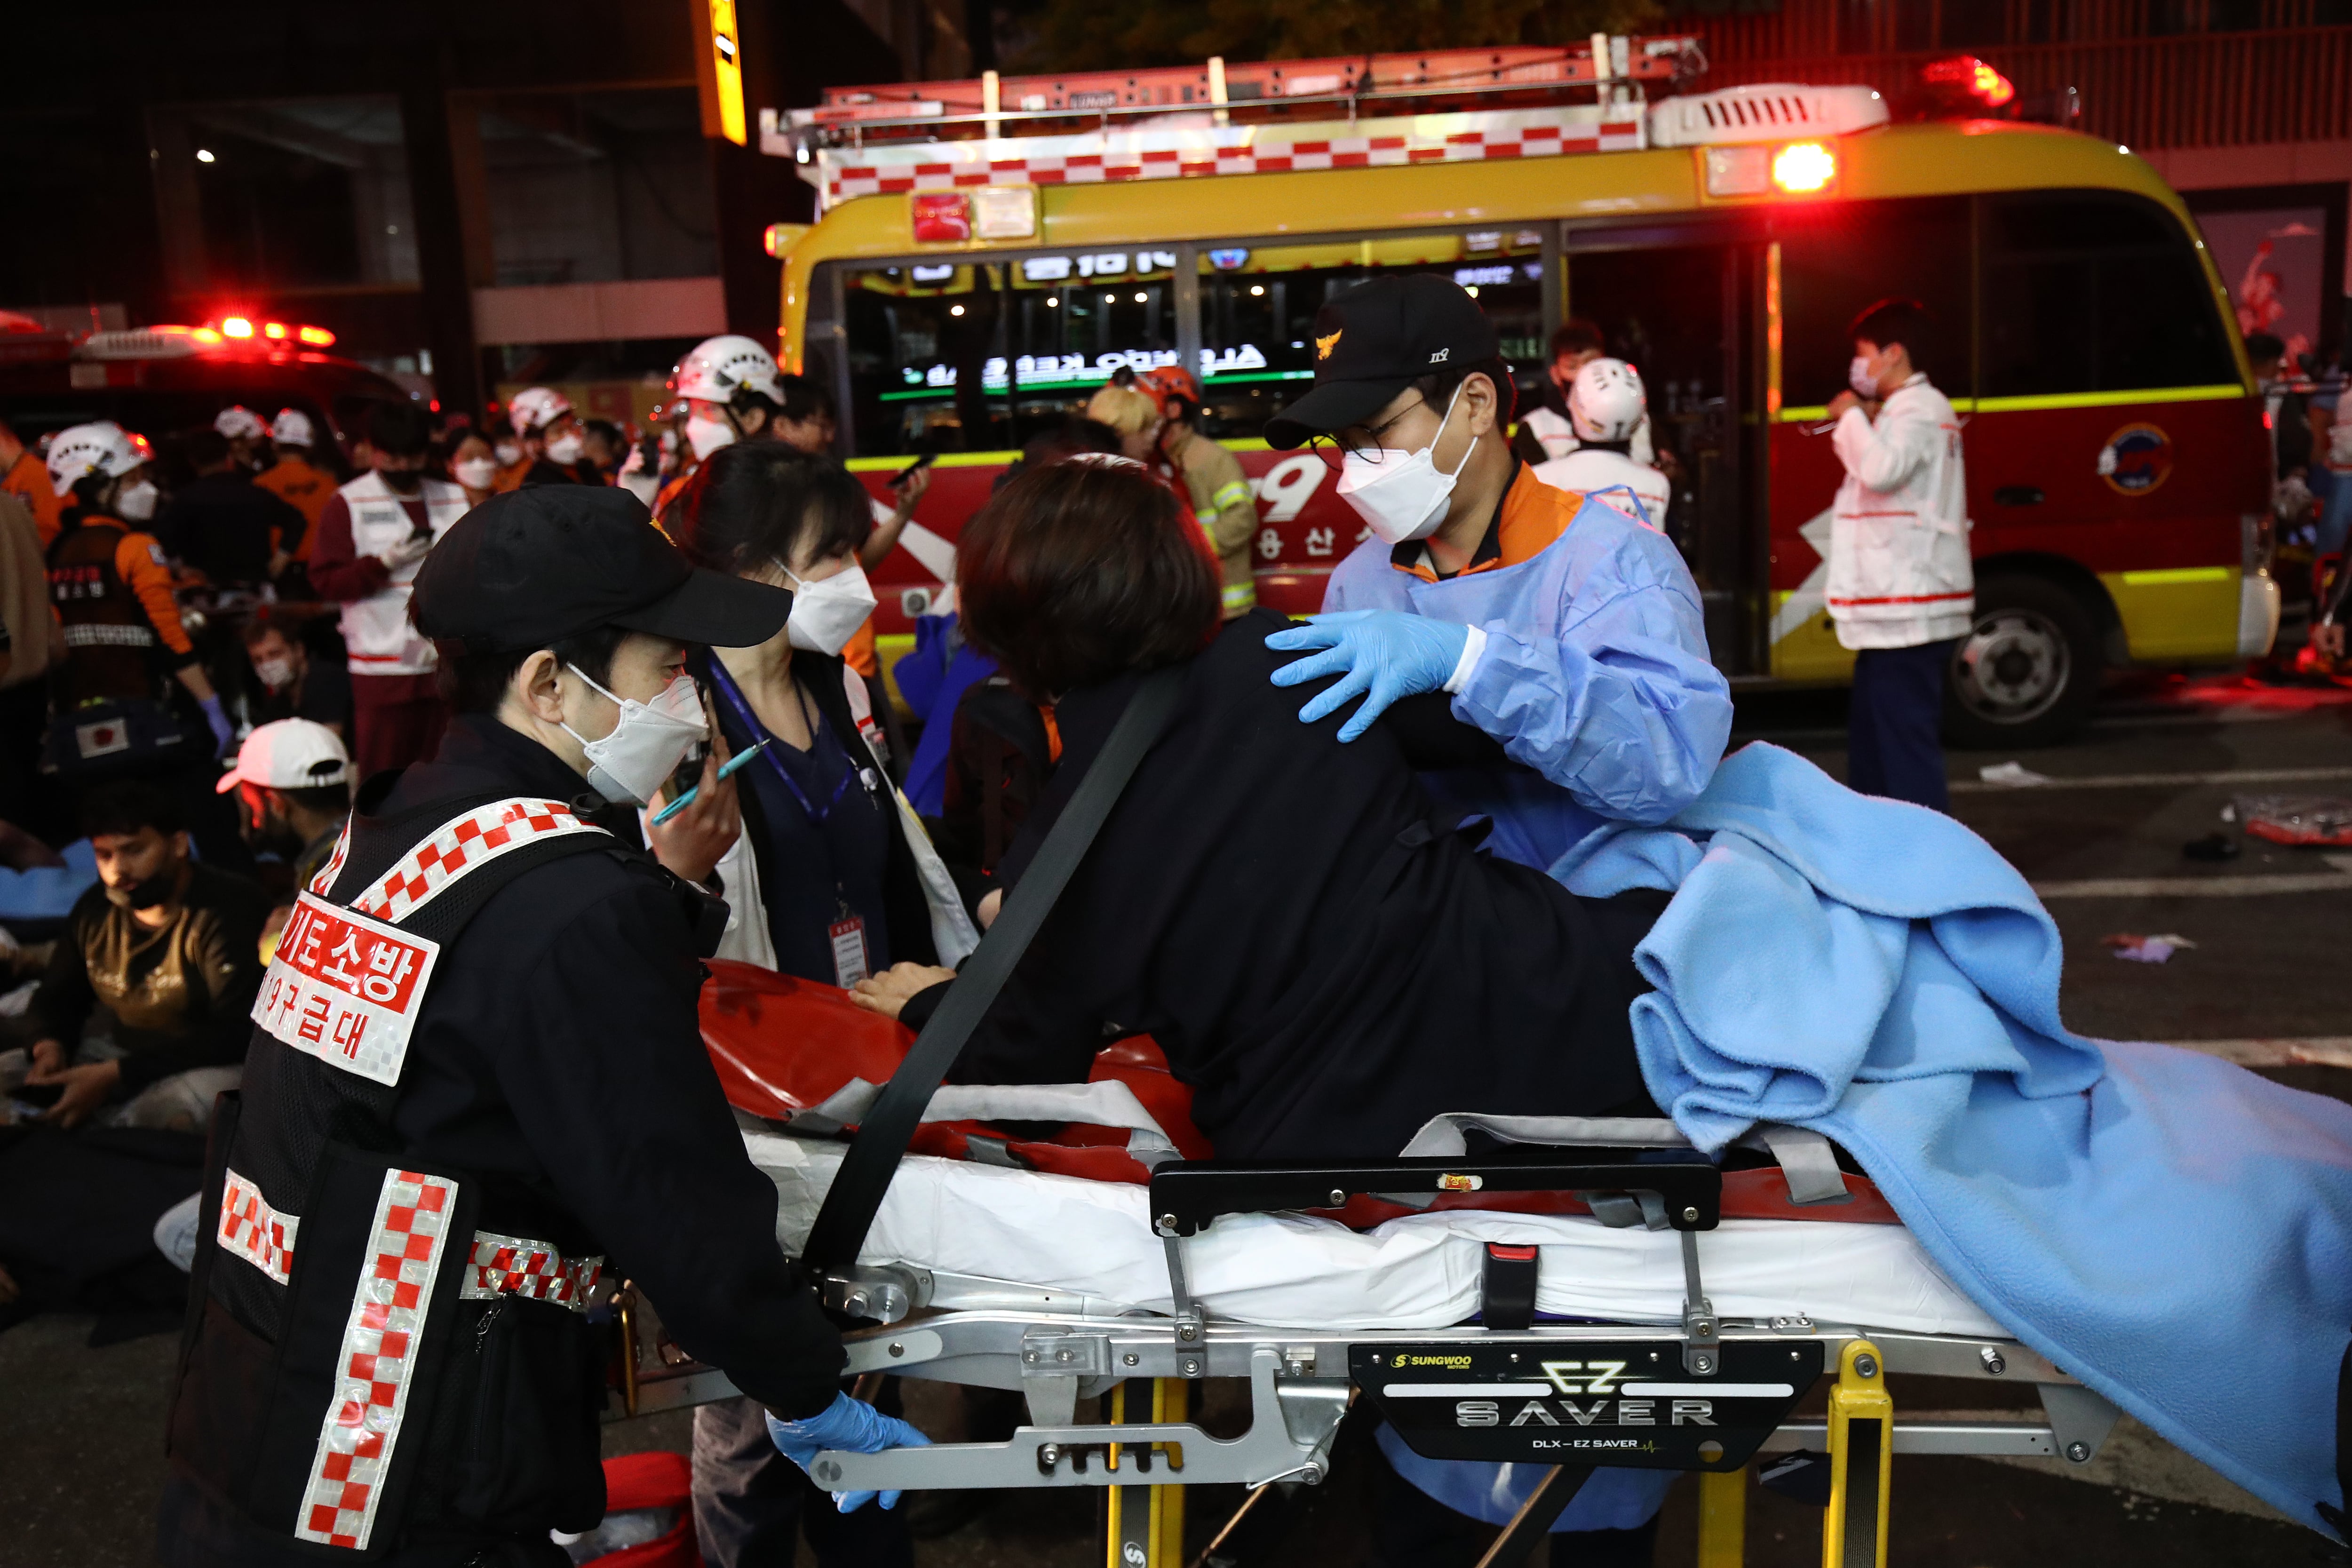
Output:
x=511 y=1266
x=379 y=1352
x=461 y=845
x=888 y=168
x=250 y=1228
x=334 y=866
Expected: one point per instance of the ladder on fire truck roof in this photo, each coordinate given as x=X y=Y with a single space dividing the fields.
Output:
x=1446 y=105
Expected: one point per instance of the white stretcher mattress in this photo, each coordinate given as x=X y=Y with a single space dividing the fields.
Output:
x=1090 y=1246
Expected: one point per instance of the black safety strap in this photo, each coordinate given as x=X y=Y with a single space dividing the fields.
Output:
x=839 y=1233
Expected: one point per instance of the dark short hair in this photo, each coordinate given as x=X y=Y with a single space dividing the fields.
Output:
x=1891 y=322
x=476 y=682
x=399 y=429
x=1059 y=445
x=1437 y=388
x=1078 y=571
x=757 y=501
x=805 y=400
x=2264 y=345
x=268 y=620
x=607 y=432
x=205 y=447
x=326 y=800
x=127 y=805
x=1576 y=336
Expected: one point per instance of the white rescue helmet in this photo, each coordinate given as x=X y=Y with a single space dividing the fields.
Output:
x=1607 y=402
x=292 y=428
x=239 y=423
x=102 y=447
x=716 y=368
x=536 y=406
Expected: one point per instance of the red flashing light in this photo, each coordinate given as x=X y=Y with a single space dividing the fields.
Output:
x=204 y=335
x=276 y=330
x=317 y=337
x=1804 y=168
x=236 y=327
x=1973 y=76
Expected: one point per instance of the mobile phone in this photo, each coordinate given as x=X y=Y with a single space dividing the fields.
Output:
x=899 y=479
x=41 y=1095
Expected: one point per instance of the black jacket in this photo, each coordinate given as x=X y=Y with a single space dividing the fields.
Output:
x=220 y=524
x=1324 y=959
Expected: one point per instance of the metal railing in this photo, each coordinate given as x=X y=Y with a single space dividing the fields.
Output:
x=2210 y=89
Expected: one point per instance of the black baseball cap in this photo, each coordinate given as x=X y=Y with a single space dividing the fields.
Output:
x=533 y=567
x=1376 y=340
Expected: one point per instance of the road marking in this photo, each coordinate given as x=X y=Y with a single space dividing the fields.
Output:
x=2156 y=781
x=2315 y=1050
x=2194 y=887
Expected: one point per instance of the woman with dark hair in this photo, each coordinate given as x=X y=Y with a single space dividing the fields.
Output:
x=1327 y=960
x=831 y=880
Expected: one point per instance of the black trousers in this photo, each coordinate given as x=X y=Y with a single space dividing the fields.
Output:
x=751 y=1505
x=1412 y=1529
x=1894 y=721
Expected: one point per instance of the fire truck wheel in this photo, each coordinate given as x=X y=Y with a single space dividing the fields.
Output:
x=2027 y=672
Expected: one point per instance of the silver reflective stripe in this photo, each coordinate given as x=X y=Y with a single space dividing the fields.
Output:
x=103 y=634
x=250 y=1228
x=514 y=1265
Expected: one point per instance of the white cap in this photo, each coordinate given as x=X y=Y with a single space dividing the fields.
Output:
x=718 y=367
x=102 y=447
x=291 y=428
x=535 y=407
x=1607 y=402
x=292 y=753
x=239 y=423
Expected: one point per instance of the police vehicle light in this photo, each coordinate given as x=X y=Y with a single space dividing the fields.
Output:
x=317 y=337
x=274 y=329
x=1802 y=168
x=236 y=327
x=1973 y=76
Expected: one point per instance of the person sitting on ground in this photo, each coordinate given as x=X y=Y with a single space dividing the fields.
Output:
x=170 y=950
x=288 y=683
x=293 y=780
x=1324 y=956
x=223 y=524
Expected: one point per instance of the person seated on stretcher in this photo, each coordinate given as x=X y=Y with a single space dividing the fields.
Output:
x=1326 y=958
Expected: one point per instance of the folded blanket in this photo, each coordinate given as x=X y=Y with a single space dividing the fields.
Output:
x=2173 y=1230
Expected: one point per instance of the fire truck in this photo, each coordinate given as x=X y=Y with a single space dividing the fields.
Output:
x=988 y=253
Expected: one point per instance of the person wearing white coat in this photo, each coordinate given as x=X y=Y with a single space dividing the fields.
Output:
x=1901 y=588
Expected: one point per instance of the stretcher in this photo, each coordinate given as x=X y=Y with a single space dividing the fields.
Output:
x=1557 y=1292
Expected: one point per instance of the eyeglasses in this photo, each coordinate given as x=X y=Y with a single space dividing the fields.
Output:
x=1335 y=447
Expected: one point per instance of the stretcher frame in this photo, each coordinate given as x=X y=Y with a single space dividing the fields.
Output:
x=1302 y=1381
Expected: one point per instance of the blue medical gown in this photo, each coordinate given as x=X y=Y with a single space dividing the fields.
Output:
x=1595 y=675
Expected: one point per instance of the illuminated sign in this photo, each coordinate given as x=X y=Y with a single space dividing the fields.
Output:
x=726 y=78
x=1075 y=369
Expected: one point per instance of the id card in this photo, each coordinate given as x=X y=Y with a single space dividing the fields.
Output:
x=849 y=935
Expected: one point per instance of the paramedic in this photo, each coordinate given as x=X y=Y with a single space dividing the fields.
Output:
x=544 y=1106
x=552 y=438
x=1607 y=404
x=1564 y=630
x=22 y=475
x=297 y=478
x=371 y=537
x=1902 y=591
x=1222 y=503
x=1548 y=431
x=827 y=880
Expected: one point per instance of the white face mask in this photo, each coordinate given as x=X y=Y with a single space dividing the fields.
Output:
x=508 y=453
x=1400 y=495
x=277 y=674
x=1858 y=377
x=645 y=748
x=136 y=503
x=828 y=613
x=475 y=473
x=566 y=449
x=707 y=435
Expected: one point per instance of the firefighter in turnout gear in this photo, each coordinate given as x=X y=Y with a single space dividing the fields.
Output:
x=476 y=1094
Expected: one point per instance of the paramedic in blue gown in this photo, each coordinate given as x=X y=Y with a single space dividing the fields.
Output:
x=826 y=880
x=1559 y=626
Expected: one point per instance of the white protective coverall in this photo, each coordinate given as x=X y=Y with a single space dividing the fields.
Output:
x=1899 y=568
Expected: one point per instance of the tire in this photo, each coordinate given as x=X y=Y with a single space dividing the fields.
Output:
x=2028 y=670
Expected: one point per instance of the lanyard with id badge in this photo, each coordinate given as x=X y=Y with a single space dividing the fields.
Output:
x=845 y=937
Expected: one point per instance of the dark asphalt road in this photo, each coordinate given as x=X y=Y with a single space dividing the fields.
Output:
x=79 y=1429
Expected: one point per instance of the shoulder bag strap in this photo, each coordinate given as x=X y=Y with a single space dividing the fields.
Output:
x=839 y=1233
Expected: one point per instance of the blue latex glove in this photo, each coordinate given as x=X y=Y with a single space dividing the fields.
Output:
x=1380 y=655
x=223 y=737
x=851 y=1426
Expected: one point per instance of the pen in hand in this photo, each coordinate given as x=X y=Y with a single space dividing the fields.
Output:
x=725 y=769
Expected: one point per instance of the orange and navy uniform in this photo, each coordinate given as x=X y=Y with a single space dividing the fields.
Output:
x=113 y=597
x=29 y=479
x=1532 y=515
x=305 y=487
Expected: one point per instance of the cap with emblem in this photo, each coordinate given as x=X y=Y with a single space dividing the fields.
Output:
x=533 y=567
x=1376 y=340
x=290 y=753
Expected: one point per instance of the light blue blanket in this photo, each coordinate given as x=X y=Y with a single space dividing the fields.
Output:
x=2173 y=1230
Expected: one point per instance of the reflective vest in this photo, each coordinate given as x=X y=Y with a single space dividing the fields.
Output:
x=376 y=632
x=112 y=650
x=345 y=1292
